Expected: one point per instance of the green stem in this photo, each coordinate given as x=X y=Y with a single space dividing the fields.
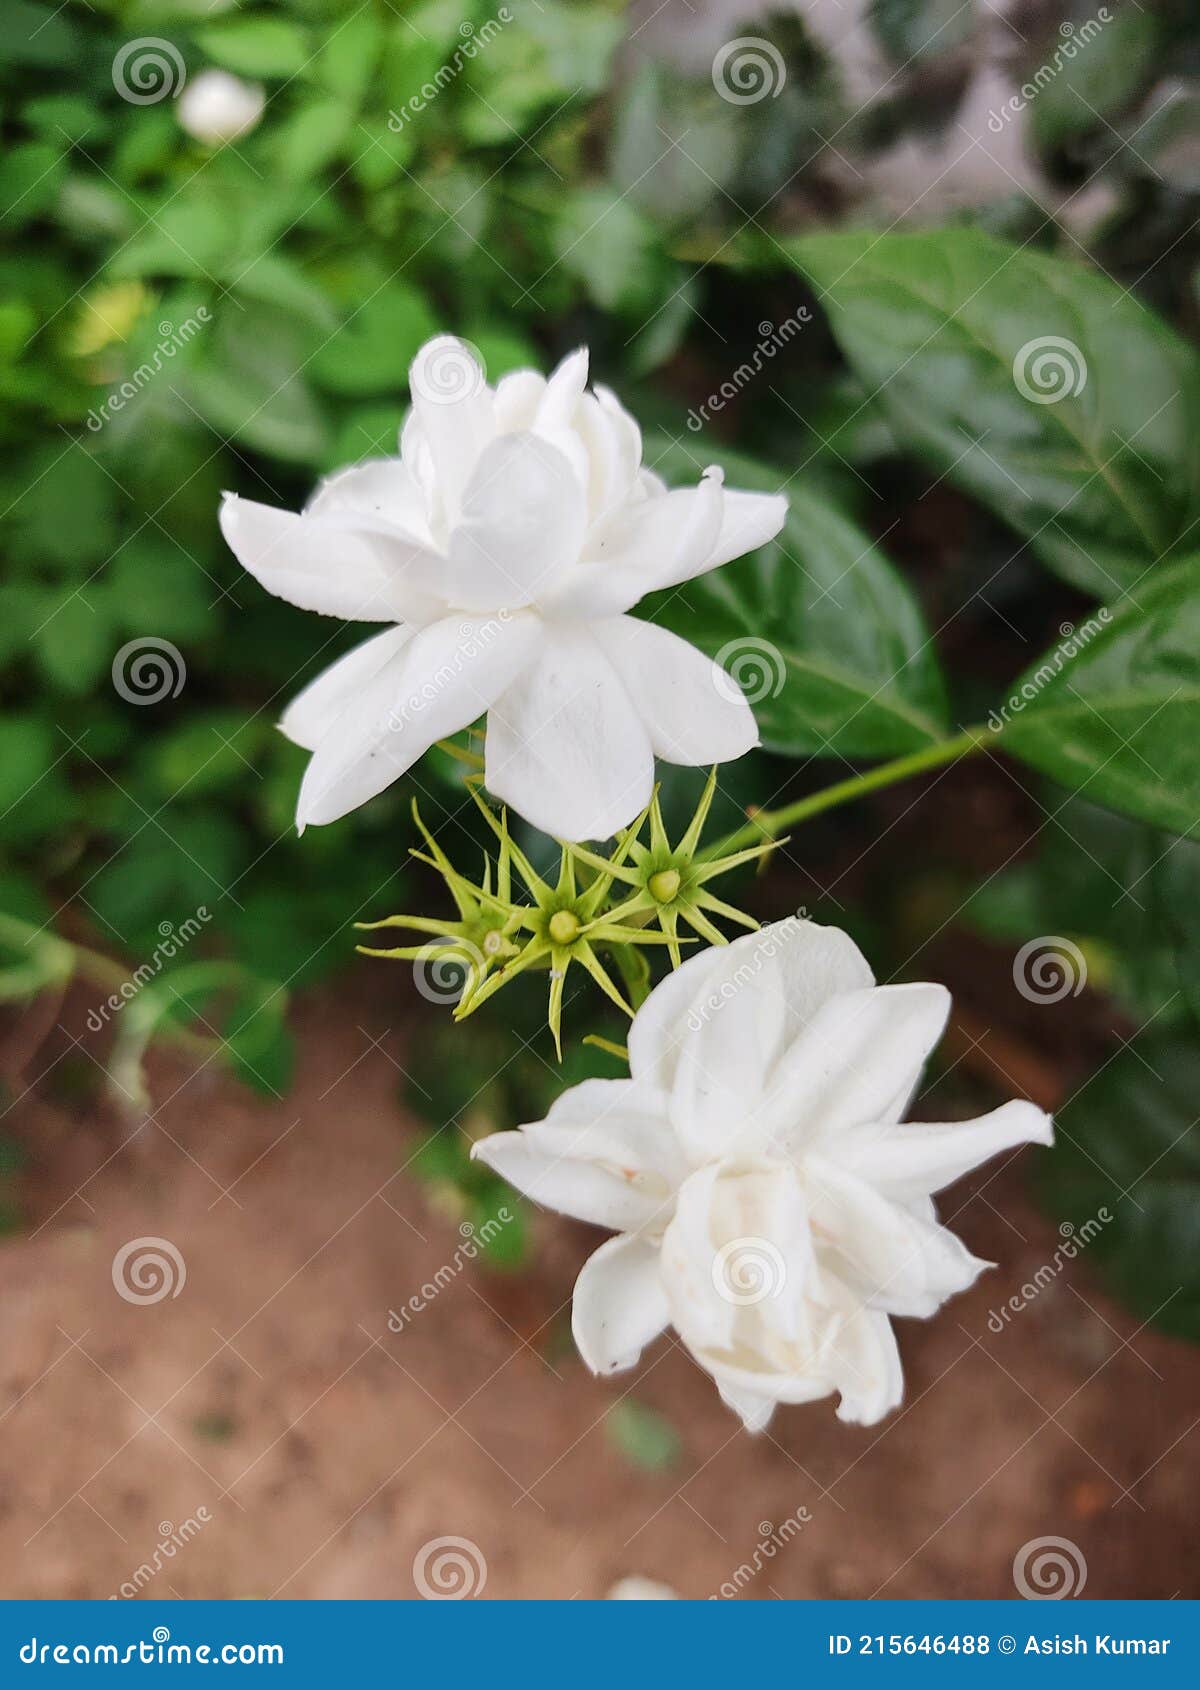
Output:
x=471 y=758
x=771 y=823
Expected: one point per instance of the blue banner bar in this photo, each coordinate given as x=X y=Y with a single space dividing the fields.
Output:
x=608 y=1645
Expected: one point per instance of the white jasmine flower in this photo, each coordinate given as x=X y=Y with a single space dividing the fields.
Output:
x=216 y=107
x=769 y=1204
x=507 y=542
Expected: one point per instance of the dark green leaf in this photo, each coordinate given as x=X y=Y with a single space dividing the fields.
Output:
x=823 y=634
x=1097 y=461
x=1118 y=717
x=1128 y=1144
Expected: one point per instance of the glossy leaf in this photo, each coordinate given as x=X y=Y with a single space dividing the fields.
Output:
x=1127 y=1144
x=1119 y=721
x=825 y=637
x=1034 y=383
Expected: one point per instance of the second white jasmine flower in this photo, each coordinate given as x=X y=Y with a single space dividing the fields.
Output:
x=769 y=1203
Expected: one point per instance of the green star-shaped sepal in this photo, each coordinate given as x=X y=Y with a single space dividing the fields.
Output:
x=565 y=923
x=482 y=937
x=669 y=882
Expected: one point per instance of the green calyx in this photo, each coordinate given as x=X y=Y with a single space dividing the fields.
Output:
x=479 y=940
x=668 y=884
x=600 y=912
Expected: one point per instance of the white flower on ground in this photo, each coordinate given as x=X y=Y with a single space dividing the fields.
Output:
x=216 y=107
x=638 y=1589
x=507 y=542
x=770 y=1205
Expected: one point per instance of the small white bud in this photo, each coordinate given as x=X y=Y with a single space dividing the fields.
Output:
x=217 y=107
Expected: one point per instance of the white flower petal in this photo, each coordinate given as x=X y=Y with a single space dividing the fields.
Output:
x=783 y=972
x=737 y=1260
x=522 y=519
x=733 y=1082
x=895 y=1260
x=379 y=488
x=748 y=520
x=846 y=1068
x=625 y=431
x=311 y=714
x=319 y=564
x=603 y=1155
x=648 y=544
x=662 y=1025
x=518 y=396
x=753 y=1409
x=452 y=407
x=619 y=1305
x=565 y=746
x=869 y=1375
x=692 y=711
x=913 y=1160
x=439 y=682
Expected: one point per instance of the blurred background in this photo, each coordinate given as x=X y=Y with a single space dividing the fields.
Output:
x=227 y=229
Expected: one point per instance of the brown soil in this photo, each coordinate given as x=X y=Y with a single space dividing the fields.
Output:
x=327 y=1450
